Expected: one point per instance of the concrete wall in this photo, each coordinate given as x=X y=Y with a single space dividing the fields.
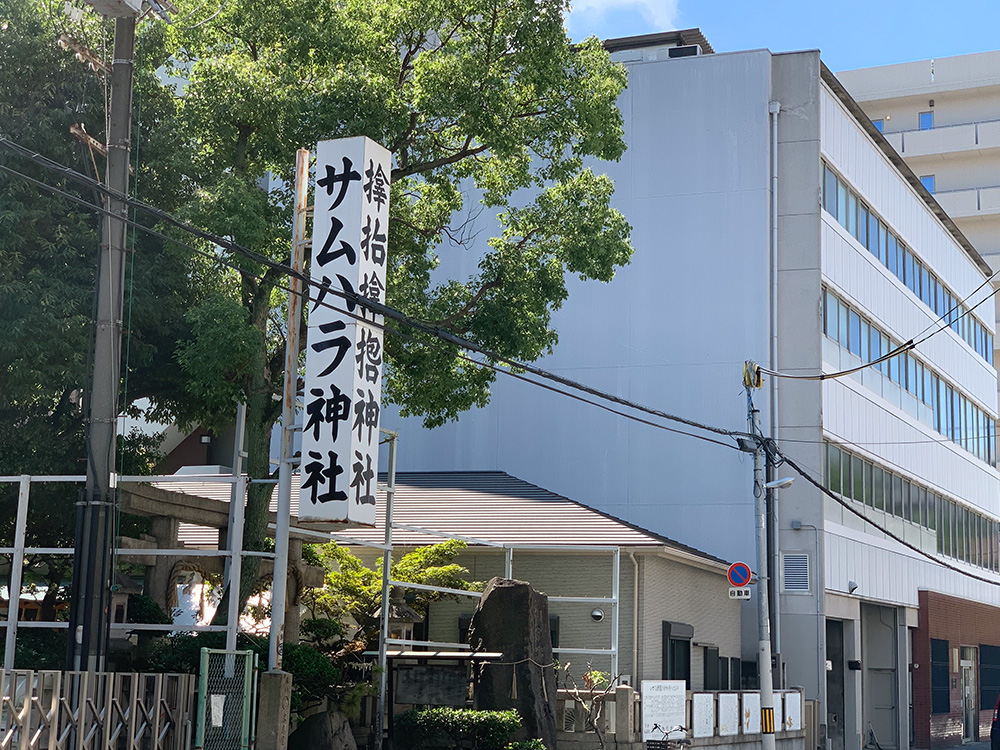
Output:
x=671 y=330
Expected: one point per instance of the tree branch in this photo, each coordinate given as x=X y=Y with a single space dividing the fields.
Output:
x=470 y=305
x=444 y=161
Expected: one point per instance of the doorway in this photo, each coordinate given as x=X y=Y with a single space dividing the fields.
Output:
x=880 y=686
x=970 y=704
x=835 y=684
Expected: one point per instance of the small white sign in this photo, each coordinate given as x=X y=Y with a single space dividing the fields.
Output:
x=664 y=705
x=793 y=711
x=729 y=714
x=739 y=593
x=751 y=713
x=703 y=715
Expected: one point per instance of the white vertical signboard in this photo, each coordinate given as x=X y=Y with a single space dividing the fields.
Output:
x=343 y=386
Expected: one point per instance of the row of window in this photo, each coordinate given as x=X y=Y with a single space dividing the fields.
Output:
x=924 y=119
x=843 y=204
x=954 y=416
x=961 y=533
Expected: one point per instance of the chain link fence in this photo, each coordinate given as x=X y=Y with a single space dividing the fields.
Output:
x=227 y=687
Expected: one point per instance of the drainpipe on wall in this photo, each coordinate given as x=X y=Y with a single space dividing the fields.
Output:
x=635 y=616
x=773 y=109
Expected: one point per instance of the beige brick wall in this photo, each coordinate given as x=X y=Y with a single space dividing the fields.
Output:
x=669 y=590
x=681 y=593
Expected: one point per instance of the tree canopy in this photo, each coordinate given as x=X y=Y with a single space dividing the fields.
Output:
x=495 y=122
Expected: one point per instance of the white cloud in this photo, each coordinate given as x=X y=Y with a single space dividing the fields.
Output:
x=662 y=14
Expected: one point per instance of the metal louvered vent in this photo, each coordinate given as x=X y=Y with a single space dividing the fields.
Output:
x=795 y=572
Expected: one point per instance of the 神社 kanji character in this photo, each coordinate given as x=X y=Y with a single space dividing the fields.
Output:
x=365 y=414
x=362 y=481
x=341 y=343
x=326 y=255
x=345 y=284
x=318 y=473
x=331 y=411
x=375 y=187
x=369 y=356
x=343 y=179
x=373 y=242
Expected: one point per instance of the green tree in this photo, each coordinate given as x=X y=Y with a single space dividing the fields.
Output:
x=49 y=247
x=352 y=592
x=490 y=113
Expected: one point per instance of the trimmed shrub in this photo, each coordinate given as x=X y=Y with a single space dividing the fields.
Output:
x=441 y=728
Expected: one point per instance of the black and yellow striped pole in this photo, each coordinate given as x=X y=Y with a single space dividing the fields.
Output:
x=767 y=720
x=752 y=380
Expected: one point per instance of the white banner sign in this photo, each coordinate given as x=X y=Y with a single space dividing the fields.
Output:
x=344 y=359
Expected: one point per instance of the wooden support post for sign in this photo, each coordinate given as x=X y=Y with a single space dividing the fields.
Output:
x=283 y=516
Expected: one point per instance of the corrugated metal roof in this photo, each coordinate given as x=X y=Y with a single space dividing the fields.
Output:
x=492 y=506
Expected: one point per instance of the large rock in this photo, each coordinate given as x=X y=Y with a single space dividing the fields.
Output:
x=325 y=731
x=513 y=618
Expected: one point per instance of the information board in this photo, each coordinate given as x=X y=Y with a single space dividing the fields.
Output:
x=664 y=705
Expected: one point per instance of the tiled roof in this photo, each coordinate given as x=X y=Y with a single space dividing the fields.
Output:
x=490 y=505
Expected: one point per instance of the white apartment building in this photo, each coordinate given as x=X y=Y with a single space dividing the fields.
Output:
x=772 y=222
x=943 y=117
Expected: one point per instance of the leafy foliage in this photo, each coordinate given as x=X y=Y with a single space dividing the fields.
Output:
x=314 y=677
x=455 y=727
x=353 y=592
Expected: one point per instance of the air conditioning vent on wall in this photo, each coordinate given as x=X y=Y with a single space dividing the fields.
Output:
x=795 y=572
x=684 y=50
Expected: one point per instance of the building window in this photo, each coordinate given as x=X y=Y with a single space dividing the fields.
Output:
x=713 y=672
x=926 y=120
x=928 y=182
x=677 y=651
x=989 y=676
x=844 y=205
x=879 y=125
x=940 y=676
x=961 y=533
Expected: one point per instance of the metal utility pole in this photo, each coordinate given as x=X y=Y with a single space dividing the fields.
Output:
x=92 y=571
x=752 y=380
x=283 y=517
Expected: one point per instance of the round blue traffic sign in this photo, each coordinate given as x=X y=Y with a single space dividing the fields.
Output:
x=739 y=574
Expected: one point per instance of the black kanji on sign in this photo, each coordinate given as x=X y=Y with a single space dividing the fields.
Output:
x=318 y=473
x=373 y=242
x=369 y=356
x=343 y=179
x=331 y=411
x=326 y=255
x=365 y=414
x=349 y=298
x=363 y=476
x=376 y=184
x=371 y=288
x=341 y=343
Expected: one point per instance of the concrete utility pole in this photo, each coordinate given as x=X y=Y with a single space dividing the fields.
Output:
x=92 y=571
x=752 y=380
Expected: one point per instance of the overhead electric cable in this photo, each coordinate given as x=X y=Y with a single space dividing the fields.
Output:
x=430 y=330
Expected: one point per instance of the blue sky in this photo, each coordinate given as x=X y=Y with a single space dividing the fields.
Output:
x=850 y=33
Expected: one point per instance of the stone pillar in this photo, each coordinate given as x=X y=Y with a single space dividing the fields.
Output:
x=274 y=704
x=158 y=577
x=513 y=618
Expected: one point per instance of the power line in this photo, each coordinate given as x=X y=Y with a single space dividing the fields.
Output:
x=942 y=323
x=354 y=298
x=325 y=289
